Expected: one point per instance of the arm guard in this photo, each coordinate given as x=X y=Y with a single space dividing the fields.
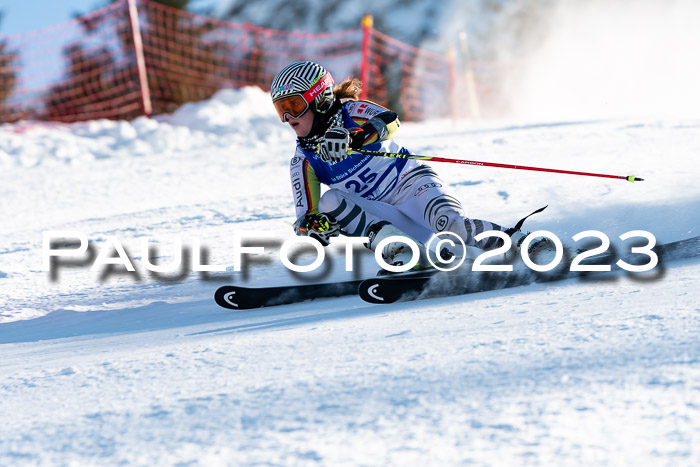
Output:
x=377 y=129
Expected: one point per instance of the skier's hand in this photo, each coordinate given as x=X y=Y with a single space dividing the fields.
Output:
x=320 y=226
x=334 y=146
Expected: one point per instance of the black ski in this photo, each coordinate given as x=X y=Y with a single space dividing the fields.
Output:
x=235 y=297
x=389 y=289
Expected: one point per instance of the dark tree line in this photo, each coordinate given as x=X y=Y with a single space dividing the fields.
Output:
x=8 y=78
x=183 y=59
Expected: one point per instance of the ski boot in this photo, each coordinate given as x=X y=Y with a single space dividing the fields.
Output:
x=397 y=253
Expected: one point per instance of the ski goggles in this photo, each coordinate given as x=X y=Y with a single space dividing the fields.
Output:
x=293 y=105
x=297 y=104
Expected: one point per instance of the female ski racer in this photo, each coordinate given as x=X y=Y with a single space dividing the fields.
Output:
x=369 y=196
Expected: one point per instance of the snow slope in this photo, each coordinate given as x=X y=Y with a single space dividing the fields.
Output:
x=117 y=368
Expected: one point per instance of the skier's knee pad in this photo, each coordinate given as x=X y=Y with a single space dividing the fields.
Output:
x=449 y=220
x=442 y=213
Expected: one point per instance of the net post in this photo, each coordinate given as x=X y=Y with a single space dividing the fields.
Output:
x=367 y=24
x=140 y=59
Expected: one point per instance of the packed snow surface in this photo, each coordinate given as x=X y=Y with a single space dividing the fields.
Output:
x=106 y=367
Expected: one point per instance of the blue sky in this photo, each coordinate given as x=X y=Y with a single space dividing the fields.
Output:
x=28 y=15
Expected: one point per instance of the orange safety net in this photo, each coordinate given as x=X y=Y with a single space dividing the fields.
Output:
x=78 y=70
x=415 y=81
x=88 y=68
x=189 y=57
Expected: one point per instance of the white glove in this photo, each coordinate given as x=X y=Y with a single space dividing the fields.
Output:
x=334 y=146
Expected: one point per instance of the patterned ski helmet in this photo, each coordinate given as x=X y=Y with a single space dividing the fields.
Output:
x=308 y=79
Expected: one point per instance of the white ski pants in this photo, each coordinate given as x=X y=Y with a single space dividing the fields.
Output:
x=421 y=205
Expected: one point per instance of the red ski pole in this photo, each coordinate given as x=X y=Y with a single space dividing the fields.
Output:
x=629 y=178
